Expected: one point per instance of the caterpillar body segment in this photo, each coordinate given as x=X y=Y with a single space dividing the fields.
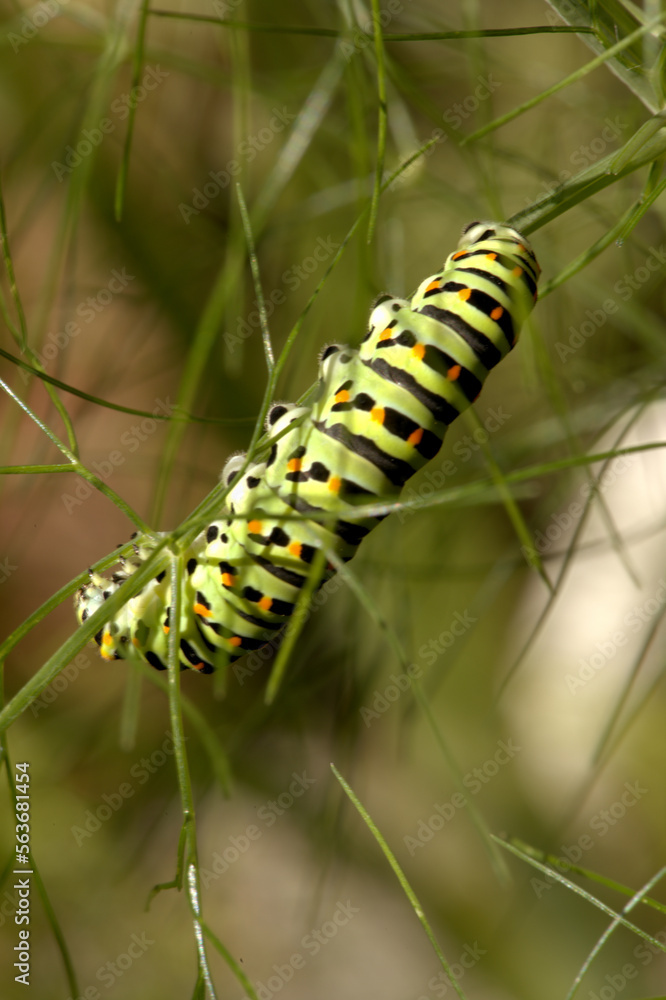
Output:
x=380 y=414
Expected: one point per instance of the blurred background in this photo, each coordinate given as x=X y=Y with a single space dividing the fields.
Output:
x=131 y=263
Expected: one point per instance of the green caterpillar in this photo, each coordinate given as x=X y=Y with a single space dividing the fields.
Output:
x=381 y=413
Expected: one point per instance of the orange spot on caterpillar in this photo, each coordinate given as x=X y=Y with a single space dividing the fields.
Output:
x=135 y=642
x=433 y=284
x=491 y=256
x=415 y=437
x=342 y=396
x=386 y=334
x=497 y=313
x=228 y=579
x=165 y=629
x=334 y=484
x=418 y=351
x=378 y=413
x=517 y=272
x=254 y=527
x=295 y=549
x=453 y=373
x=294 y=464
x=459 y=254
x=266 y=603
x=197 y=666
x=201 y=609
x=235 y=640
x=107 y=641
x=464 y=294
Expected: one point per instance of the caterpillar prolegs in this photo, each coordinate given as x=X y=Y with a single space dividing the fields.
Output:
x=380 y=414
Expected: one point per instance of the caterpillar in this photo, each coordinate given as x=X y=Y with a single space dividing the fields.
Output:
x=379 y=415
